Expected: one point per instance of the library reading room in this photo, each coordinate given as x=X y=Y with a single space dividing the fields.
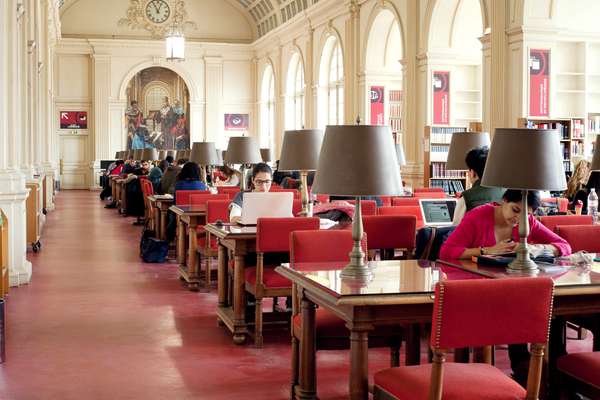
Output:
x=299 y=199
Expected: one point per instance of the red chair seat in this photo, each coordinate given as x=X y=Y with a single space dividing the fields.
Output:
x=271 y=279
x=461 y=382
x=582 y=366
x=202 y=242
x=328 y=324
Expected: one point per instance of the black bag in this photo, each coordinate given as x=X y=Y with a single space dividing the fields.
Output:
x=153 y=250
x=430 y=241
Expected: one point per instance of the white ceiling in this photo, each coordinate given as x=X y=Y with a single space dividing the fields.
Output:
x=265 y=14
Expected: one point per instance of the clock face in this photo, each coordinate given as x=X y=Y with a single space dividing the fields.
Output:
x=158 y=11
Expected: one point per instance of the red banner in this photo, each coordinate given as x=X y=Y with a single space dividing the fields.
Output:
x=539 y=82
x=236 y=122
x=441 y=97
x=73 y=120
x=377 y=105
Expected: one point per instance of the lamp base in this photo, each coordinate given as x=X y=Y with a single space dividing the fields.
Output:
x=356 y=271
x=522 y=264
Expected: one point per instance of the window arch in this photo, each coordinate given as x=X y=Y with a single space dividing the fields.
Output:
x=267 y=109
x=294 y=102
x=331 y=84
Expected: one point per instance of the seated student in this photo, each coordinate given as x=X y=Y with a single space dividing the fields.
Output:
x=593 y=182
x=477 y=195
x=577 y=181
x=494 y=229
x=167 y=181
x=189 y=179
x=156 y=174
x=232 y=177
x=261 y=179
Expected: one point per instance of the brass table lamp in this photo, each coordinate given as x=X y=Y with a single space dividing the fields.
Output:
x=242 y=150
x=204 y=154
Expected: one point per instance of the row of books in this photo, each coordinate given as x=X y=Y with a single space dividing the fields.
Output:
x=439 y=148
x=567 y=165
x=395 y=95
x=594 y=124
x=563 y=129
x=395 y=124
x=577 y=148
x=395 y=110
x=577 y=129
x=450 y=187
x=438 y=170
x=443 y=135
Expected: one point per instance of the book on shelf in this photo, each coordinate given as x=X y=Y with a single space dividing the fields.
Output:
x=562 y=127
x=594 y=124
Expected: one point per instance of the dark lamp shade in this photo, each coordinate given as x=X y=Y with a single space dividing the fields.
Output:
x=162 y=154
x=400 y=155
x=150 y=155
x=358 y=160
x=137 y=154
x=130 y=154
x=266 y=155
x=300 y=150
x=204 y=153
x=242 y=150
x=461 y=144
x=117 y=155
x=525 y=159
x=596 y=160
x=172 y=153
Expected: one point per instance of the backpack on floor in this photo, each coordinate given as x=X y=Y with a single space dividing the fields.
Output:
x=153 y=250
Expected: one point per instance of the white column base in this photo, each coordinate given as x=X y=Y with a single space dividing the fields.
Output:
x=13 y=195
x=95 y=175
x=50 y=173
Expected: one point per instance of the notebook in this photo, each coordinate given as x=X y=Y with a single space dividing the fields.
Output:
x=437 y=212
x=266 y=204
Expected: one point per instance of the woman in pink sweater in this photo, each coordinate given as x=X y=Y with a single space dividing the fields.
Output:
x=493 y=229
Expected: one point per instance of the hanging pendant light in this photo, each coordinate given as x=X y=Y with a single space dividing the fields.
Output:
x=175 y=44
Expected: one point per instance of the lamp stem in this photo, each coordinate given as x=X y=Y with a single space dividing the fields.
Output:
x=523 y=263
x=357 y=268
x=243 y=178
x=304 y=194
x=203 y=174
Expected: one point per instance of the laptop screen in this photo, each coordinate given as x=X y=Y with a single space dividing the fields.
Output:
x=438 y=211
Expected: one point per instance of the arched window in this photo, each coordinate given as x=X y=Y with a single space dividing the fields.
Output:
x=294 y=102
x=331 y=84
x=267 y=109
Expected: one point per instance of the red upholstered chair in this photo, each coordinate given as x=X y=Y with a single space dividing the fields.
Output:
x=330 y=246
x=389 y=232
x=148 y=190
x=294 y=191
x=182 y=197
x=405 y=201
x=561 y=202
x=272 y=236
x=323 y=198
x=477 y=312
x=581 y=237
x=367 y=207
x=386 y=201
x=207 y=245
x=580 y=374
x=296 y=207
x=404 y=210
x=552 y=221
x=430 y=195
x=428 y=190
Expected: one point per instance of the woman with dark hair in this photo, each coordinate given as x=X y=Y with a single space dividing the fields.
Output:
x=593 y=182
x=494 y=229
x=189 y=179
x=260 y=181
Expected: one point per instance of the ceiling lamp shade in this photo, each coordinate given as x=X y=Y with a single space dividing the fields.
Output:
x=358 y=160
x=300 y=150
x=400 y=154
x=461 y=144
x=150 y=154
x=137 y=154
x=242 y=150
x=175 y=45
x=266 y=155
x=525 y=159
x=204 y=153
x=596 y=160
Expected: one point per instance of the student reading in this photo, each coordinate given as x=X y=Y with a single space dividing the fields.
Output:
x=261 y=179
x=493 y=229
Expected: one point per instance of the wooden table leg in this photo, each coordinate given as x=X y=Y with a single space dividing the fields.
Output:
x=239 y=300
x=156 y=219
x=557 y=346
x=192 y=263
x=163 y=224
x=180 y=243
x=222 y=276
x=413 y=345
x=307 y=382
x=359 y=363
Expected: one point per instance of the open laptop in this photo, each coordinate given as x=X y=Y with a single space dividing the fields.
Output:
x=271 y=204
x=437 y=212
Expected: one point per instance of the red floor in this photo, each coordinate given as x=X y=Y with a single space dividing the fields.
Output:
x=96 y=323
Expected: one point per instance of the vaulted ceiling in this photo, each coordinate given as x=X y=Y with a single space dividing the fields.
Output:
x=265 y=14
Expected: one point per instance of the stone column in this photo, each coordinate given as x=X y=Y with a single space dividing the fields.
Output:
x=351 y=64
x=310 y=119
x=279 y=123
x=100 y=132
x=13 y=192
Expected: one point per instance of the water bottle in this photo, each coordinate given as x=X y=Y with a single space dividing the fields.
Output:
x=592 y=204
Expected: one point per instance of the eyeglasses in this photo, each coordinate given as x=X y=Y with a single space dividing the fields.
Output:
x=259 y=182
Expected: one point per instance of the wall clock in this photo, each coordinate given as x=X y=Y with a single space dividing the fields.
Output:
x=156 y=16
x=158 y=11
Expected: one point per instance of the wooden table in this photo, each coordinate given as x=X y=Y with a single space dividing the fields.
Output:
x=188 y=219
x=121 y=195
x=401 y=291
x=160 y=204
x=241 y=241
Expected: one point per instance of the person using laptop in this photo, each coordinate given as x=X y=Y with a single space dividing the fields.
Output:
x=477 y=195
x=261 y=180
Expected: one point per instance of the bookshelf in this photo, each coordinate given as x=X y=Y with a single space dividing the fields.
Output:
x=572 y=136
x=437 y=143
x=395 y=110
x=466 y=94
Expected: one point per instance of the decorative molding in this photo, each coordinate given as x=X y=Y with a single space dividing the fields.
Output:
x=137 y=19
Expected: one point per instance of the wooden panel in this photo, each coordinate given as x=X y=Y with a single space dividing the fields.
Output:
x=33 y=221
x=74 y=163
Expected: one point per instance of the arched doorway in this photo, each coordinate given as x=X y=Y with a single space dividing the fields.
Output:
x=158 y=110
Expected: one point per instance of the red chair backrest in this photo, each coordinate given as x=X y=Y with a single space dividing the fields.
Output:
x=294 y=191
x=367 y=207
x=147 y=187
x=331 y=245
x=391 y=231
x=386 y=200
x=429 y=190
x=273 y=234
x=402 y=210
x=323 y=198
x=405 y=201
x=217 y=210
x=482 y=312
x=296 y=206
x=561 y=202
x=552 y=221
x=581 y=237
x=230 y=191
x=199 y=199
x=182 y=197
x=430 y=195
